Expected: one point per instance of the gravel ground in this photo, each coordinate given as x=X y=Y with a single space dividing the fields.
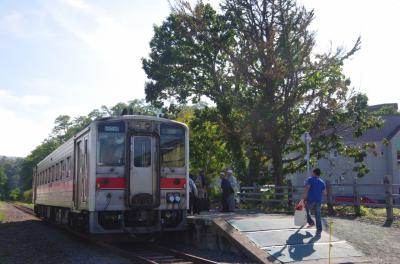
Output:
x=24 y=239
x=380 y=243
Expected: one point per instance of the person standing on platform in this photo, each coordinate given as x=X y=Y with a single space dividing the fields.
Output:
x=228 y=204
x=312 y=197
x=235 y=186
x=202 y=181
x=193 y=194
x=202 y=184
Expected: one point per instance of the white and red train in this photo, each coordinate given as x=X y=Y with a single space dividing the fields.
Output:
x=119 y=174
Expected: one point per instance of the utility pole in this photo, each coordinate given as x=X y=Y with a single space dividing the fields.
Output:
x=307 y=139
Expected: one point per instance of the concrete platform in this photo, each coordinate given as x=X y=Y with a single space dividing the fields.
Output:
x=271 y=238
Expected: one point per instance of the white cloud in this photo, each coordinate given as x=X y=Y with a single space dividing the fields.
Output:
x=19 y=134
x=14 y=22
x=117 y=44
x=24 y=102
x=79 y=4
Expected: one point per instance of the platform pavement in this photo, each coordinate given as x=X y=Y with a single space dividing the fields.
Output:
x=273 y=238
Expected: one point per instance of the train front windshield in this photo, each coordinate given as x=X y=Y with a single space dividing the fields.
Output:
x=172 y=146
x=111 y=144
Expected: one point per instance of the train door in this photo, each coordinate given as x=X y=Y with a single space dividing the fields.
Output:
x=81 y=172
x=144 y=190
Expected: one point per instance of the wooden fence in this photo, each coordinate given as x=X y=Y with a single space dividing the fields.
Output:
x=385 y=195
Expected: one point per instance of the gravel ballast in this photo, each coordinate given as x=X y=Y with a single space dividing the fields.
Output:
x=379 y=243
x=24 y=239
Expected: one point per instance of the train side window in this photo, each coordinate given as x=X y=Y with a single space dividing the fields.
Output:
x=57 y=171
x=68 y=165
x=62 y=169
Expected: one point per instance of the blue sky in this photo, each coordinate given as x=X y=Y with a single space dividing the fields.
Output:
x=72 y=56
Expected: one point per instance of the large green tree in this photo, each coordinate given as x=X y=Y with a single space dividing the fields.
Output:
x=256 y=61
x=208 y=147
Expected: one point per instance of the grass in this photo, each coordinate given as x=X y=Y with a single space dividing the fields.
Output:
x=30 y=205
x=379 y=215
x=2 y=211
x=374 y=215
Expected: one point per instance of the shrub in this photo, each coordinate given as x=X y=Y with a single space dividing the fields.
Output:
x=15 y=194
x=27 y=196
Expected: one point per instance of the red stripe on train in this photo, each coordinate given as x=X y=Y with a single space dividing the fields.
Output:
x=111 y=183
x=172 y=183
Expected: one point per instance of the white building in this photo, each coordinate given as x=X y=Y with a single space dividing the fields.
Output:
x=383 y=160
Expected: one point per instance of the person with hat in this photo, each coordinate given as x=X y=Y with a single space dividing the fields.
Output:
x=225 y=191
x=235 y=186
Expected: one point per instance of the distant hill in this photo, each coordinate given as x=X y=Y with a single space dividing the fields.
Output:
x=9 y=157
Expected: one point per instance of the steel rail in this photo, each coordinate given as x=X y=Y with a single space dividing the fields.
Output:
x=185 y=256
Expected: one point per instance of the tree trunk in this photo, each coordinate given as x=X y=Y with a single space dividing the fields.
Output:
x=238 y=157
x=234 y=140
x=254 y=167
x=277 y=172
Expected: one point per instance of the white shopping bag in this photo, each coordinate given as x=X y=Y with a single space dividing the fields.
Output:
x=300 y=217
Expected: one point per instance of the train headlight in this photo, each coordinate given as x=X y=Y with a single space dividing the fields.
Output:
x=177 y=197
x=170 y=198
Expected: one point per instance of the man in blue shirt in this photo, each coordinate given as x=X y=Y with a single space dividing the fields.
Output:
x=313 y=198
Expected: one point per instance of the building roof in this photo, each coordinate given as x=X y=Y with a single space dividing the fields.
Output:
x=374 y=108
x=388 y=130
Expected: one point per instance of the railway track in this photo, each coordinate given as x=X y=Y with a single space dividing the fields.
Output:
x=143 y=252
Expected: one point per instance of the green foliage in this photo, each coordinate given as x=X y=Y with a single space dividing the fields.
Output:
x=3 y=184
x=208 y=147
x=255 y=62
x=27 y=195
x=15 y=194
x=11 y=169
